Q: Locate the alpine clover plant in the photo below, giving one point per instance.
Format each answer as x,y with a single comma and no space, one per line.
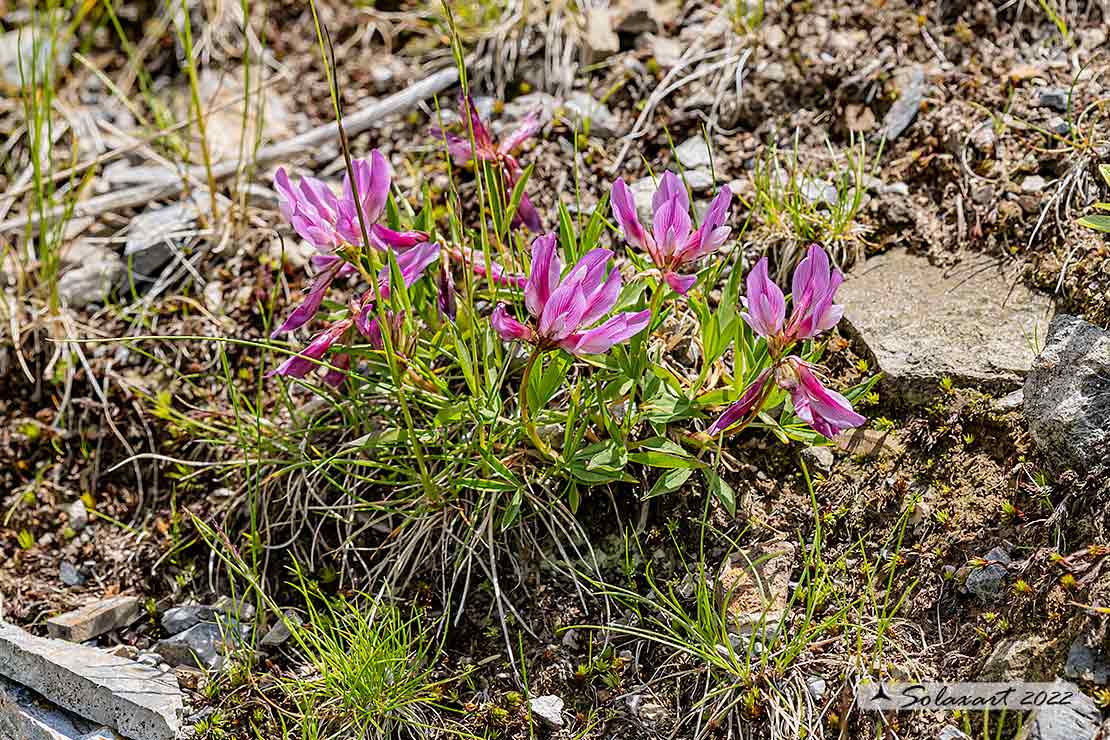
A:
575,314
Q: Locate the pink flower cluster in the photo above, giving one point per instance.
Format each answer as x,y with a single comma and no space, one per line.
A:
813,289
567,309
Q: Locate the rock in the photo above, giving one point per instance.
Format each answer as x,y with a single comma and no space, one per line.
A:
651,712
69,574
204,645
1032,657
520,107
93,280
642,192
989,581
279,633
815,190
1032,184
922,323
1055,98
94,619
950,732
1086,664
816,687
600,40
699,181
24,715
78,515
137,701
1078,721
905,108
223,100
753,586
693,153
585,111
570,639
1058,126
820,459
28,52
237,607
154,234
549,709
1012,401
181,618
1067,395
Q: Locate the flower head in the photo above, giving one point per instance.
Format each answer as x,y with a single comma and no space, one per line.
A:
564,307
485,149
672,243
328,222
813,289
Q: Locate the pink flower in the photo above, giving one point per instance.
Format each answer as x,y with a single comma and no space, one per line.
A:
486,150
743,407
497,274
412,265
813,289
328,222
565,306
672,242
828,412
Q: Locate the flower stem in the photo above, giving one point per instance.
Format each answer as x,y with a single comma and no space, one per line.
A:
525,416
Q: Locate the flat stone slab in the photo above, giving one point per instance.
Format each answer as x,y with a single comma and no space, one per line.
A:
94,619
971,323
24,715
138,701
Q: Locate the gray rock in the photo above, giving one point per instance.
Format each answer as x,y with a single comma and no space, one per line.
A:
699,180
153,235
989,581
1031,657
651,712
1058,126
582,106
1067,395
950,732
93,280
922,323
815,190
570,639
693,153
820,459
1055,98
94,619
549,709
237,607
69,574
753,586
1012,401
816,687
642,192
204,645
520,107
905,108
1079,721
27,52
24,715
1086,664
181,618
280,633
135,700
1033,184
78,515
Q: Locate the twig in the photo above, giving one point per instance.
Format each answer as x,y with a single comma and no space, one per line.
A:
355,124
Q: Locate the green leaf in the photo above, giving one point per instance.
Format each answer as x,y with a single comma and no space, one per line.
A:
515,197
721,490
566,234
512,511
595,225
1098,223
669,482
660,452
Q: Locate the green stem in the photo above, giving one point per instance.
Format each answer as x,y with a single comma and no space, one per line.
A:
525,417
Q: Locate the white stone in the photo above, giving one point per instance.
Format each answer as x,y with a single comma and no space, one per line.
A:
139,702
549,709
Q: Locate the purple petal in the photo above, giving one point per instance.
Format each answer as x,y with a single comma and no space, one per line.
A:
828,412
483,143
544,276
376,194
530,124
568,303
458,147
301,364
712,233
509,328
614,331
741,408
338,372
624,211
383,237
311,303
765,302
527,214
671,227
411,264
495,273
602,300
680,284
670,188
445,297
